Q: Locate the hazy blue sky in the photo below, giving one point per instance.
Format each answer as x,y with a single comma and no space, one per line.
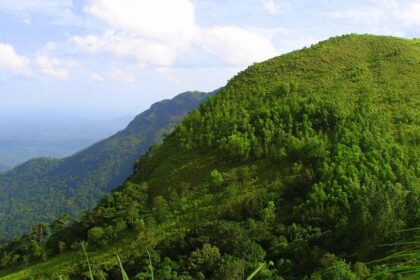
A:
116,57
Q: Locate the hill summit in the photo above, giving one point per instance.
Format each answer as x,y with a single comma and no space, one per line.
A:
307,162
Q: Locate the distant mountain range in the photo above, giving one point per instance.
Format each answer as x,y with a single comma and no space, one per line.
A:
44,188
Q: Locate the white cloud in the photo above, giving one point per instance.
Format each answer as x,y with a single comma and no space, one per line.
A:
25,6
161,20
382,11
51,67
114,74
154,32
58,11
121,76
157,33
275,8
97,77
238,47
411,13
122,44
10,60
369,14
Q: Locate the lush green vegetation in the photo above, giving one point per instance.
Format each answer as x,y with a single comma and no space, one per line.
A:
42,189
405,258
307,162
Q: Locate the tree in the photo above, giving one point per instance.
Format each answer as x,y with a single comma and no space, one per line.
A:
160,208
60,223
238,146
216,179
96,236
205,260
39,233
339,270
269,213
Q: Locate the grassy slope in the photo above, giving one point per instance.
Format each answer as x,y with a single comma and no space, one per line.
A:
337,69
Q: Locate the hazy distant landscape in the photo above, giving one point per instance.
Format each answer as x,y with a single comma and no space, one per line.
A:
47,188
25,138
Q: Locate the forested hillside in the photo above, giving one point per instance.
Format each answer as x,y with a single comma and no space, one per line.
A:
3,168
40,190
307,162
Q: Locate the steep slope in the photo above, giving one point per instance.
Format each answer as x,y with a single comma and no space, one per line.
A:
42,189
308,160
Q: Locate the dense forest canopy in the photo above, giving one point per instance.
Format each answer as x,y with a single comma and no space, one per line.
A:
307,162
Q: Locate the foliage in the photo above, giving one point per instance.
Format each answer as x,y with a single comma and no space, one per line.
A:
41,190
308,160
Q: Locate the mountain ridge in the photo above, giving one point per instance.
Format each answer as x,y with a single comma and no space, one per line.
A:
307,162
65,185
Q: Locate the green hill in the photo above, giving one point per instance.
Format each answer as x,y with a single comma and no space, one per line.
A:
40,190
307,162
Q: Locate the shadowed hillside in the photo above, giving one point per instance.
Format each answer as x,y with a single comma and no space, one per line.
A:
42,189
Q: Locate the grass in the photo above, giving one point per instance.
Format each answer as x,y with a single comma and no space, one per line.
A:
87,259
123,273
125,276
255,272
406,260
150,266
